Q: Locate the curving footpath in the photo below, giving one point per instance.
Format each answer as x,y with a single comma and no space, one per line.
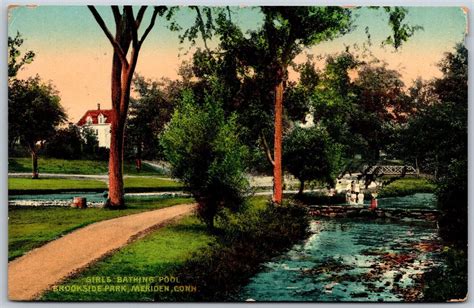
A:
37,271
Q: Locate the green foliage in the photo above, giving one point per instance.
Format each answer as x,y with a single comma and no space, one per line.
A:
31,227
448,282
204,151
310,154
14,62
407,186
436,136
34,111
401,31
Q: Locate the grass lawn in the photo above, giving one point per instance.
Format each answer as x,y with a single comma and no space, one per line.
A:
160,253
47,185
407,186
53,165
148,184
32,227
54,184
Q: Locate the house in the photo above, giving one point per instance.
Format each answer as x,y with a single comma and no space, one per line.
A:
99,121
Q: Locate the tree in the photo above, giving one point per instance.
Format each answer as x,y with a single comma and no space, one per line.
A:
380,101
148,114
34,112
126,39
440,130
15,63
202,145
310,154
285,32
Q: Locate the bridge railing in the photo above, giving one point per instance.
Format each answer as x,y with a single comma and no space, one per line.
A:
389,170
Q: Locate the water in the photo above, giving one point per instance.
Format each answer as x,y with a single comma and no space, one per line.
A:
353,260
415,201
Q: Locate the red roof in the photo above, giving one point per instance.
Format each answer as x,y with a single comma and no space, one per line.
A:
94,114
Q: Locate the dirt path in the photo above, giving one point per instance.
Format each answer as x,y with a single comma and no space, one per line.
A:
34,273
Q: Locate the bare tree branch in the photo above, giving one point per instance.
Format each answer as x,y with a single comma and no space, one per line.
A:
267,149
132,24
117,15
115,44
140,15
150,26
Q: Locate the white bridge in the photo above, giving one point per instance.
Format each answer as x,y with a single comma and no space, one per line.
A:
389,170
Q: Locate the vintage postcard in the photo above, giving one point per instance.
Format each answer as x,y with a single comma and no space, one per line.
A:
237,153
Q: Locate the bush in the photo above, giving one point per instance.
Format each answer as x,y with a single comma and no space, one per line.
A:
248,239
203,149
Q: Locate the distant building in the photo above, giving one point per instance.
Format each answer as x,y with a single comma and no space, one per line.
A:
99,121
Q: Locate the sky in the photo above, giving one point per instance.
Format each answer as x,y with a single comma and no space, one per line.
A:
73,53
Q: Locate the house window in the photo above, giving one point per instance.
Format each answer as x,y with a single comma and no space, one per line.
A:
89,120
101,119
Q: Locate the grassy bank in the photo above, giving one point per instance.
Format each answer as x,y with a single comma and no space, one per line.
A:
215,264
51,185
53,165
29,227
407,186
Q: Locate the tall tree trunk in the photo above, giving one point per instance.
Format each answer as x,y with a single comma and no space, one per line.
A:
116,189
34,164
277,168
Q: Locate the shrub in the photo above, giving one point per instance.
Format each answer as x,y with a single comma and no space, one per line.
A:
202,146
310,154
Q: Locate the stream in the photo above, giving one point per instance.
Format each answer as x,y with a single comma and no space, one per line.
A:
354,260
